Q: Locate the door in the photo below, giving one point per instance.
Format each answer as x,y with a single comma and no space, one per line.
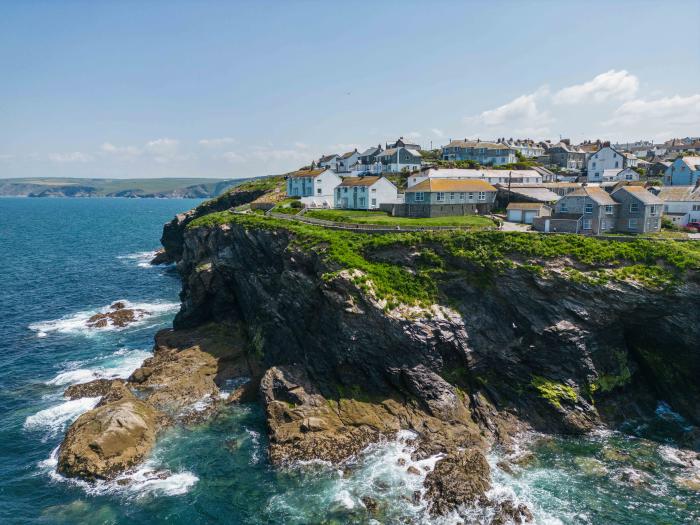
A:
546,226
529,217
515,215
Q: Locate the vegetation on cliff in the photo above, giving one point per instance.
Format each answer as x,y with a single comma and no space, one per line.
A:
432,257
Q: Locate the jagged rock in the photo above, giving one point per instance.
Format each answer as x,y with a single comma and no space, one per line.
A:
461,478
370,504
117,315
413,470
507,512
108,439
98,387
161,257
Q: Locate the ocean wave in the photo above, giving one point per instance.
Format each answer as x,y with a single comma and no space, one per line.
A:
119,365
147,480
142,259
54,419
77,323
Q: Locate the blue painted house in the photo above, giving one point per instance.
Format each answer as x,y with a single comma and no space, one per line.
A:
683,172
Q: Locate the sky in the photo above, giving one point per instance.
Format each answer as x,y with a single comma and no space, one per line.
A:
238,89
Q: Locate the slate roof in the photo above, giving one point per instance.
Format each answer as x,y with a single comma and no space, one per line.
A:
348,154
599,195
679,193
693,163
389,152
641,194
326,158
359,181
477,144
539,194
525,206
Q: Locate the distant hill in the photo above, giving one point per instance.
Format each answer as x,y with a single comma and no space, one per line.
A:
166,188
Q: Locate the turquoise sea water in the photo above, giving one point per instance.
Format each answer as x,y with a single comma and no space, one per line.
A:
62,260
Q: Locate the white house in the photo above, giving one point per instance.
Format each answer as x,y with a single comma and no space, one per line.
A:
503,177
683,172
607,158
681,203
347,161
328,161
613,175
365,193
315,187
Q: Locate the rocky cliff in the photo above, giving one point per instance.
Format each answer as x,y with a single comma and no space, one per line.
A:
463,338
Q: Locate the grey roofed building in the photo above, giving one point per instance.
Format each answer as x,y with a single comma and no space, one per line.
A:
401,143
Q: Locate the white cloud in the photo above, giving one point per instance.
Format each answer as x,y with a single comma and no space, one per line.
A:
124,152
213,143
74,156
520,116
609,85
6,156
233,157
669,111
414,135
301,145
437,132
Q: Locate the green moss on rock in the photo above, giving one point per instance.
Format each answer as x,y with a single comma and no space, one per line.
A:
553,392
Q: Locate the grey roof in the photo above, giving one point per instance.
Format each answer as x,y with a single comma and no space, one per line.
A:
640,193
599,195
389,152
678,193
370,151
538,194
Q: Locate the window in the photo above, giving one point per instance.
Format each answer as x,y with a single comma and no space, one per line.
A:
452,195
374,190
440,196
482,196
374,202
418,196
461,196
629,176
587,224
362,202
588,208
471,196
634,207
652,210
563,207
345,190
632,224
608,209
594,164
617,164
318,191
696,207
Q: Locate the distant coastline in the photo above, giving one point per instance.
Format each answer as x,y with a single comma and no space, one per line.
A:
159,188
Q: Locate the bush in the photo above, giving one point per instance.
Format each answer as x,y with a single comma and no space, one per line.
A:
296,204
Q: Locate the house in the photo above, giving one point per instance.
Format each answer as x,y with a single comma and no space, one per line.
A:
612,175
566,156
401,143
683,172
639,211
328,161
607,158
657,168
316,186
528,148
562,188
681,203
346,161
490,176
486,153
443,197
396,160
526,212
364,193
591,210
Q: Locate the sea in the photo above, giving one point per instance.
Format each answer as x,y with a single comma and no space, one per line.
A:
63,260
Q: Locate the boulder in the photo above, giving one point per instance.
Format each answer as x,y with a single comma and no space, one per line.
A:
117,315
460,478
109,439
98,387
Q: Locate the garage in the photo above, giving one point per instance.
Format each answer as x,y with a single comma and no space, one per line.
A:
525,212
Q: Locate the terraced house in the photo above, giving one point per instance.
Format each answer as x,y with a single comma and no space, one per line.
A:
442,197
312,183
486,153
396,160
591,210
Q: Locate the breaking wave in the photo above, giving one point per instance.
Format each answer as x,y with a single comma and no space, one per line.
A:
119,365
55,419
77,323
142,259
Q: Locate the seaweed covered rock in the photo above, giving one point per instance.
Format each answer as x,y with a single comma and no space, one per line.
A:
461,478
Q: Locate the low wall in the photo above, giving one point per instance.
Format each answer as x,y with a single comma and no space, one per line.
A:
435,210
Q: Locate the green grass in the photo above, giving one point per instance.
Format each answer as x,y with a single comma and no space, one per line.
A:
285,206
383,218
444,255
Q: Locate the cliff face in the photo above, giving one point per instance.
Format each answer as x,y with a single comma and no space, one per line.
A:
558,354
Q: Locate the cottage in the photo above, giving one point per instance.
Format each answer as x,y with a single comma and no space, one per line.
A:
396,160
443,197
526,212
607,158
364,193
595,210
367,160
314,185
683,172
528,148
613,175
681,203
657,168
486,153
346,161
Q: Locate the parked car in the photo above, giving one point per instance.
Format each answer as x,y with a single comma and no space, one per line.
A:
694,226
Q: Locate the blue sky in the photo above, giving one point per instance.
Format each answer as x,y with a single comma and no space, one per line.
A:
234,89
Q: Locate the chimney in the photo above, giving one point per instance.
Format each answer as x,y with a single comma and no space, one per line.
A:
606,144
566,141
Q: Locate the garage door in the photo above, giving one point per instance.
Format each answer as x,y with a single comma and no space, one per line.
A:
530,216
515,215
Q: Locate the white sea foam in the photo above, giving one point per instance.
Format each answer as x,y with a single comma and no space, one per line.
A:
141,259
148,479
119,365
76,323
54,419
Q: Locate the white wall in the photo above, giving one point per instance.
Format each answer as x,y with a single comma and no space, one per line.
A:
325,183
604,159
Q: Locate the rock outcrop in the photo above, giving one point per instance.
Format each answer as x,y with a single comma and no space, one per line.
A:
117,315
460,479
180,383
